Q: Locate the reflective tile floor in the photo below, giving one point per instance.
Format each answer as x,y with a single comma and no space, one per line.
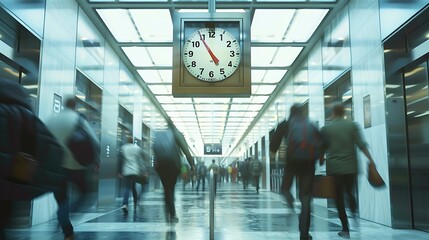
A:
239,215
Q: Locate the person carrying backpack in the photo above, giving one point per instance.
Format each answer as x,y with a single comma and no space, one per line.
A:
80,173
255,169
303,142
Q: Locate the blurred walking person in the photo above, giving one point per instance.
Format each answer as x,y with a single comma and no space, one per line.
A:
245,173
29,153
201,175
132,166
303,146
255,167
64,125
214,168
168,146
340,138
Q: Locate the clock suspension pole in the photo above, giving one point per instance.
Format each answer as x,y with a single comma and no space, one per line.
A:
212,6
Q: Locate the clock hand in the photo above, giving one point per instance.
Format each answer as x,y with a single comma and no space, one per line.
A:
215,59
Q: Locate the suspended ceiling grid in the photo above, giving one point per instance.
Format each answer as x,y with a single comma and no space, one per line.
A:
141,33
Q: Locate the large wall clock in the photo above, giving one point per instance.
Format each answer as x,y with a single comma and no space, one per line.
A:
211,55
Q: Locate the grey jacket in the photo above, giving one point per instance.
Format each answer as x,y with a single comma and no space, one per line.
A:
340,139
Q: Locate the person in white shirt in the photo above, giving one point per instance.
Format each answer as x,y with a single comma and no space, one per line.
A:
132,164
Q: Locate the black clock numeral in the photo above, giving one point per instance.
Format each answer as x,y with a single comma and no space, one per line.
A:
191,53
201,71
212,34
222,71
211,74
221,37
193,63
228,43
231,53
196,44
230,64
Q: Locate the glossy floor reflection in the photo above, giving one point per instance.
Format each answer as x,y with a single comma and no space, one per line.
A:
239,214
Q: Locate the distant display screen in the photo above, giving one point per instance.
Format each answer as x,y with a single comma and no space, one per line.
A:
213,149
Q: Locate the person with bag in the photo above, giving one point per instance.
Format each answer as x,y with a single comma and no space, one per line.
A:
78,172
201,175
255,170
167,148
28,153
245,173
303,143
340,138
133,168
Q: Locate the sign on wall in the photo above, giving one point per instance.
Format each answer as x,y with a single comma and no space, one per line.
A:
213,149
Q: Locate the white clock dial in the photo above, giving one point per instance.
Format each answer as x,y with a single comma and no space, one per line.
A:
211,54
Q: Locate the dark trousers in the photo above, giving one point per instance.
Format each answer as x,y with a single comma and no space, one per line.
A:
168,175
304,171
203,180
345,185
256,182
245,180
80,179
130,184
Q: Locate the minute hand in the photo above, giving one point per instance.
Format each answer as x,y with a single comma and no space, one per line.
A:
215,59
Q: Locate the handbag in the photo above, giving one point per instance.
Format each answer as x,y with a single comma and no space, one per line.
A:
22,181
24,168
24,165
374,177
324,186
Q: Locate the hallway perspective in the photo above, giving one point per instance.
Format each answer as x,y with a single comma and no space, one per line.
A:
239,214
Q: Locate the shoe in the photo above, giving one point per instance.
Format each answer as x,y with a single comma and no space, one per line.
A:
125,209
344,234
305,237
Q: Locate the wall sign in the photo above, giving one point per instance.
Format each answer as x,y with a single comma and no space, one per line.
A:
57,103
367,111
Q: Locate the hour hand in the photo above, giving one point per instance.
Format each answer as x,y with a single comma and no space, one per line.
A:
215,59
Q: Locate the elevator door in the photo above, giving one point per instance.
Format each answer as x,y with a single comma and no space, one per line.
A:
417,112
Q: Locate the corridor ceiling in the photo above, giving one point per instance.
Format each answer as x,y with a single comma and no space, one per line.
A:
141,32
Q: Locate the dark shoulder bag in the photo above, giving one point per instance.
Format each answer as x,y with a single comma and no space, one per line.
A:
81,145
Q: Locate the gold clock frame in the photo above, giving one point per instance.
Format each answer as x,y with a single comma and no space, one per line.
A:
186,85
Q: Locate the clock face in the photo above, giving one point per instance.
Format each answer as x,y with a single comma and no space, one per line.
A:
211,54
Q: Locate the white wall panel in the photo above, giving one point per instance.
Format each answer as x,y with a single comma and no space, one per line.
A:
368,79
89,49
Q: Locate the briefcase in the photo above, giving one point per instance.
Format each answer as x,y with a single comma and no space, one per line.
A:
324,186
